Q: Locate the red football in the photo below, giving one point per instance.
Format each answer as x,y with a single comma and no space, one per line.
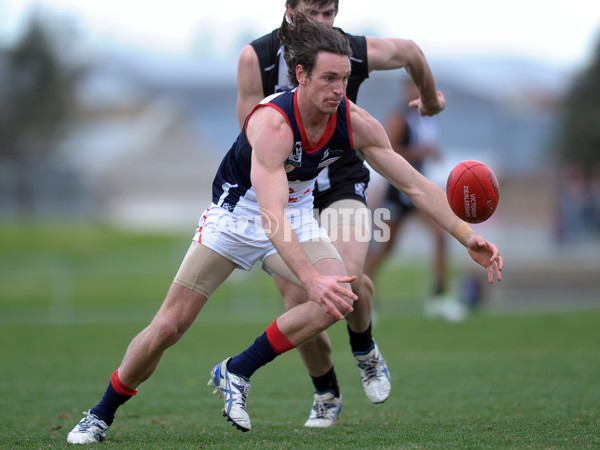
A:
472,191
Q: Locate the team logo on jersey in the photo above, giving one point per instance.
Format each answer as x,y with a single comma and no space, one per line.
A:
295,158
329,157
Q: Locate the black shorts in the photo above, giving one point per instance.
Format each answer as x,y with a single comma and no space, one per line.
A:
345,179
398,202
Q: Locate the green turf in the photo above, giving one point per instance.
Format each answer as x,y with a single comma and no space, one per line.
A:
71,300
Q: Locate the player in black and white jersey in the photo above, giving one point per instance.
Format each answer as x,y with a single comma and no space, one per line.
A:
339,195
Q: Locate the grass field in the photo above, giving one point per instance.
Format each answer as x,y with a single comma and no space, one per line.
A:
71,298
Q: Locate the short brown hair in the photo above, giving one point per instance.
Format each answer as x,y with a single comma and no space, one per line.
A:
303,38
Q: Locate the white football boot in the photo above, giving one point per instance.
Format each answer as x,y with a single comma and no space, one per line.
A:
233,390
374,375
89,430
326,408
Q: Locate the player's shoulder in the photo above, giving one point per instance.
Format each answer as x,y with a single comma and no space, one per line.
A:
350,36
269,40
280,102
358,44
266,48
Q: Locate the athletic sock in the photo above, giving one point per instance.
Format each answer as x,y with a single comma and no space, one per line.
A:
265,349
361,342
438,288
327,382
116,394
253,358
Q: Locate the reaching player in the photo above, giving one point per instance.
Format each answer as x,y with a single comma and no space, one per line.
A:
339,197
291,122
267,178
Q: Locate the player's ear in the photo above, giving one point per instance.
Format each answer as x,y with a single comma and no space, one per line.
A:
301,74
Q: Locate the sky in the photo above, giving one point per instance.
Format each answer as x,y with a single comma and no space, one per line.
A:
560,32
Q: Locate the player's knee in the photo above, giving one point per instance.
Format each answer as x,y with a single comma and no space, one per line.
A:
356,272
367,287
167,332
349,301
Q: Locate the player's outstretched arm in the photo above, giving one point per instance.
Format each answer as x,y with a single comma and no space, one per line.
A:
369,137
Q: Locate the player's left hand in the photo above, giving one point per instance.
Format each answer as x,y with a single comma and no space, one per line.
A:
329,292
429,109
486,254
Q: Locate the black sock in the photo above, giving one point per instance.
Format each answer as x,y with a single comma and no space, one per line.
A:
438,288
361,342
106,409
327,382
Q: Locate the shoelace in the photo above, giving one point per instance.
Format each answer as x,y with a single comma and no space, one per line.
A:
89,421
369,368
243,390
322,407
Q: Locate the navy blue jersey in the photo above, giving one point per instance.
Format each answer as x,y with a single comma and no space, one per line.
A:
348,177
232,182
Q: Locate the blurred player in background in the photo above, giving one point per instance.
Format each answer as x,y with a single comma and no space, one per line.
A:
341,186
415,138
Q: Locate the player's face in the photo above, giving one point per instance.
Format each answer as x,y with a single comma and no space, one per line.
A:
324,14
327,84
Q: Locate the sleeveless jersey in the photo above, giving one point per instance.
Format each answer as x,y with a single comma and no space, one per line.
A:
232,187
347,177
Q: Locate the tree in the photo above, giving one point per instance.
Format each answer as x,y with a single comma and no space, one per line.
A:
35,104
579,141
578,148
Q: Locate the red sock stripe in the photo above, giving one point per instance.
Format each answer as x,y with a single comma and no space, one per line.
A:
277,339
119,387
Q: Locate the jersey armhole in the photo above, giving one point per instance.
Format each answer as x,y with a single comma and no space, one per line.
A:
260,105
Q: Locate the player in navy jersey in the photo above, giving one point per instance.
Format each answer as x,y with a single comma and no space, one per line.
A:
259,213
340,197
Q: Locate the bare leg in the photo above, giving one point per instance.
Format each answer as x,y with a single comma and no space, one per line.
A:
175,316
379,251
439,259
353,252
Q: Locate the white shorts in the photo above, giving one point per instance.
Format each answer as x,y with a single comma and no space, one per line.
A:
240,237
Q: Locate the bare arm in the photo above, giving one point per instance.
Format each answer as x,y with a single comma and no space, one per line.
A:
392,53
272,141
250,89
370,137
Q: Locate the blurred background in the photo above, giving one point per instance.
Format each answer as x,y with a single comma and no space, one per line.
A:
118,114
